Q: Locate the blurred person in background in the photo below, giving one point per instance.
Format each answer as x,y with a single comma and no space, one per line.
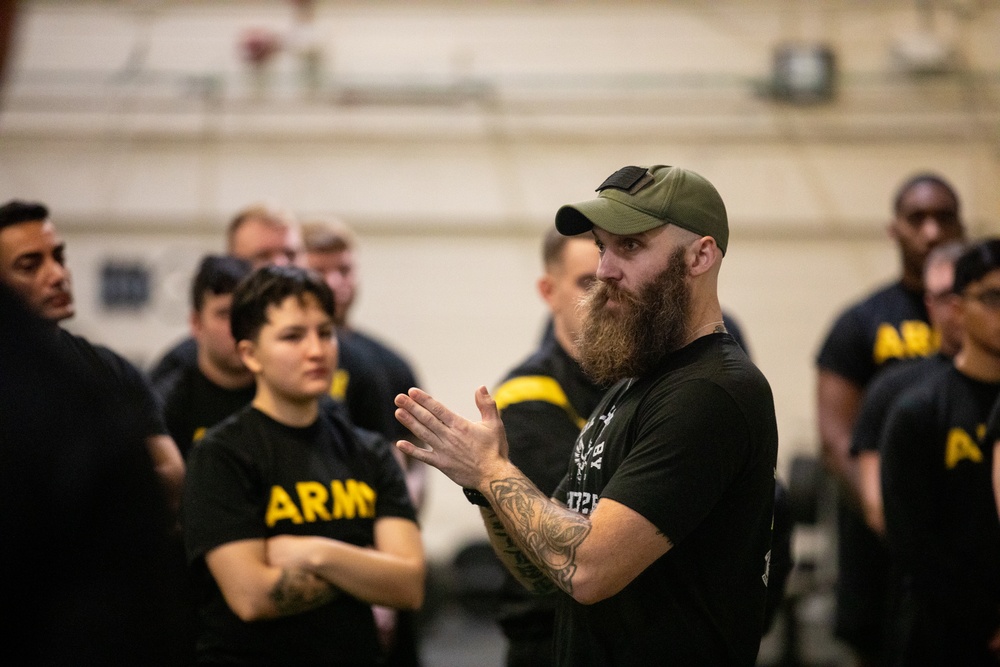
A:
940,517
889,325
262,234
218,384
544,402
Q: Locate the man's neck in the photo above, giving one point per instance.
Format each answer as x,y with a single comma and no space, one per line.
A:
566,341
978,364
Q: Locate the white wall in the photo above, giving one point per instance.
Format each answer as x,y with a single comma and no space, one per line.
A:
450,197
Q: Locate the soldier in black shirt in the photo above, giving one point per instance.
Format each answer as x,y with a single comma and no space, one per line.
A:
885,327
659,535
218,385
941,521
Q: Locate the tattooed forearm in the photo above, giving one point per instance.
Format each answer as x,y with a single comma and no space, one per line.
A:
549,535
298,591
514,559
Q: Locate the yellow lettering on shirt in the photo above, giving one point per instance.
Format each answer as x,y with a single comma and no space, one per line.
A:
313,497
199,433
281,507
961,447
338,387
917,338
352,498
347,499
913,339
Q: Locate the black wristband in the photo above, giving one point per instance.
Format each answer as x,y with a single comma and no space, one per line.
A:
475,497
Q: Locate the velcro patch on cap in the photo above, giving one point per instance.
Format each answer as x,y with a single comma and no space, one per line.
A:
629,179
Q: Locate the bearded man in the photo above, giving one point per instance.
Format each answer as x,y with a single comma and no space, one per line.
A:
659,535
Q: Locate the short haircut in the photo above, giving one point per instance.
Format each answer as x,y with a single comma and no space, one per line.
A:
16,211
270,286
268,213
329,235
554,243
981,258
917,179
216,275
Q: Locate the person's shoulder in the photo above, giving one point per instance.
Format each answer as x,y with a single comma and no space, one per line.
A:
906,373
235,429
99,354
181,355
921,394
539,362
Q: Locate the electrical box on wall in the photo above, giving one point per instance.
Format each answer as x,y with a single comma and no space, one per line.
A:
803,73
125,285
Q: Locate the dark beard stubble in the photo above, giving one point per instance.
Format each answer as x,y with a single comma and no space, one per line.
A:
631,339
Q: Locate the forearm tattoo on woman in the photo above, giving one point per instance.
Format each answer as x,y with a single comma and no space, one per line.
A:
297,591
548,534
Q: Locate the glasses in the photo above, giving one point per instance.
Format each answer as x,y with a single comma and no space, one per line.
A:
989,298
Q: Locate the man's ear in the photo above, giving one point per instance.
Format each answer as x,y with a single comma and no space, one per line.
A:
545,288
703,255
194,322
892,231
247,351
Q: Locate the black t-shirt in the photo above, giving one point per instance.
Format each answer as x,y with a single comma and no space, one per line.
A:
194,404
882,393
116,372
165,372
369,375
941,518
251,477
90,577
543,402
692,448
889,325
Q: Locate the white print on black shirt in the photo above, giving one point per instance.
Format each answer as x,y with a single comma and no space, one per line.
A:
581,501
593,456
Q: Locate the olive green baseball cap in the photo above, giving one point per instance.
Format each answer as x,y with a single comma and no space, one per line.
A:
636,199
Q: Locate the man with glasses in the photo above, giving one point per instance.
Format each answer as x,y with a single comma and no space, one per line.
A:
941,521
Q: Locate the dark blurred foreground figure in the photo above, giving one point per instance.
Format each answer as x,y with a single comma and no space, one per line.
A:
90,569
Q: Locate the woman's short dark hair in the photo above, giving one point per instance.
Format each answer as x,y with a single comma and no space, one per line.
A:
270,286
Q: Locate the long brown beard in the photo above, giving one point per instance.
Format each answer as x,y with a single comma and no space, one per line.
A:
634,337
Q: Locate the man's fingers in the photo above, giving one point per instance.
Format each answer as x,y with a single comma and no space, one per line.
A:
434,407
414,418
487,406
419,453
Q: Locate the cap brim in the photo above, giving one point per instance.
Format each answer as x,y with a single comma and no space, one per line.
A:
608,214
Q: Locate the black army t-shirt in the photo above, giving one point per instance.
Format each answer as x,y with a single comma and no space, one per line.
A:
692,448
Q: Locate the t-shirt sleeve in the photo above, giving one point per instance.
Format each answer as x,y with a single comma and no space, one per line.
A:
684,459
846,351
223,498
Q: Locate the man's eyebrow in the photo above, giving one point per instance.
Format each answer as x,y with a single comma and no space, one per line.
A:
35,254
